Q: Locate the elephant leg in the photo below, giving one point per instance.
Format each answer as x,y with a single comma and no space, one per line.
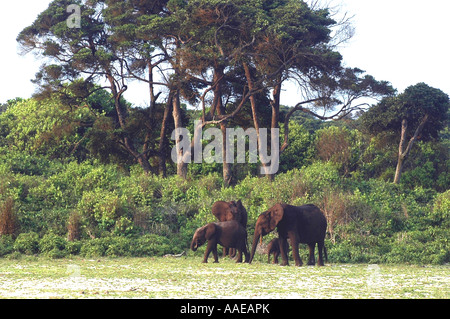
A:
205,257
207,252
294,244
320,246
268,257
216,257
211,247
283,242
224,251
312,259
246,255
275,257
239,257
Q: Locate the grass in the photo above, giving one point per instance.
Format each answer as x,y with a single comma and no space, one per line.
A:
38,277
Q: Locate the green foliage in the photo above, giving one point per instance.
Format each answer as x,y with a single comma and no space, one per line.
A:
6,245
441,210
428,166
152,245
68,158
135,214
27,243
411,105
300,151
43,127
53,246
100,210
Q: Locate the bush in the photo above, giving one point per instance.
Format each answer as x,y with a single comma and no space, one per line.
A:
53,246
151,245
118,247
300,151
27,243
441,210
73,247
93,247
320,176
6,245
100,210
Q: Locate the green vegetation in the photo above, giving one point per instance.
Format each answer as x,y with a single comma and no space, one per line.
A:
85,173
62,208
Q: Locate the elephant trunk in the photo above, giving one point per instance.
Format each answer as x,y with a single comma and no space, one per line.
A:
257,236
194,245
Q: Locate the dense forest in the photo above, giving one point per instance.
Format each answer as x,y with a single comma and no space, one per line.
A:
85,172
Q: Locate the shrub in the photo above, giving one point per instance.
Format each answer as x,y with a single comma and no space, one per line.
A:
118,247
73,247
151,245
100,209
333,205
27,243
300,151
6,245
320,176
93,247
441,209
53,246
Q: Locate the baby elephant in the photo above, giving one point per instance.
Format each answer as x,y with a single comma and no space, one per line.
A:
229,234
274,248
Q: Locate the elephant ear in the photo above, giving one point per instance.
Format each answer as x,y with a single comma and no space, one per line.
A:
222,211
276,215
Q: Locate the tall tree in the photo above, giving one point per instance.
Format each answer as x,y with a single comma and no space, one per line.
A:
228,56
417,114
295,42
81,58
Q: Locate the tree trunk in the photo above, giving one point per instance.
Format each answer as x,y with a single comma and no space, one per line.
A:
275,104
404,149
177,118
262,157
141,158
162,138
217,104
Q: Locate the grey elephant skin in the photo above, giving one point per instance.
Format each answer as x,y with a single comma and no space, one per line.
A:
301,224
229,234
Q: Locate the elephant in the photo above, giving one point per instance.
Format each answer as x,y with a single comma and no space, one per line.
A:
274,248
225,211
301,224
228,234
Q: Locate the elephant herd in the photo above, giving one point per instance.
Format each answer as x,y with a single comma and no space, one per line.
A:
300,224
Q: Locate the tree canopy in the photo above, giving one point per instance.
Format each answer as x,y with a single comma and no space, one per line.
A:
228,57
417,114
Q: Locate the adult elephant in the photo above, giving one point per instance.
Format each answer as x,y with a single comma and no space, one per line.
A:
227,211
301,224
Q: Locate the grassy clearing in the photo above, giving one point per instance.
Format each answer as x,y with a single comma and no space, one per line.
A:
188,278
